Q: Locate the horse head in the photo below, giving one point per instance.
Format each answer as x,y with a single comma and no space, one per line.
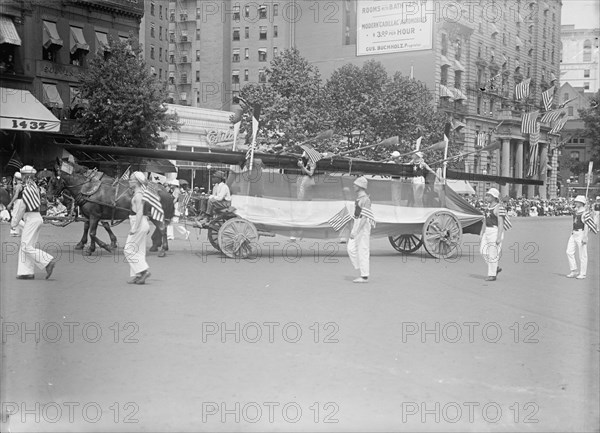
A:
55,187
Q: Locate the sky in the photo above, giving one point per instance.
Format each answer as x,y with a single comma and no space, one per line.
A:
585,14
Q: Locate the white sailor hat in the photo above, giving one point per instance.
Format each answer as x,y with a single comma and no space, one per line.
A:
579,199
28,169
494,192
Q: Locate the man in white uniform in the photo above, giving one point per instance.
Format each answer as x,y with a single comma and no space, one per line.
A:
359,243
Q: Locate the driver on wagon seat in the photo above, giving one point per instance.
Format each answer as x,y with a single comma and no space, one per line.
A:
221,196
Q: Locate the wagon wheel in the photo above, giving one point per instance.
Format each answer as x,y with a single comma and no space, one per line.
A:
213,232
442,234
237,238
406,244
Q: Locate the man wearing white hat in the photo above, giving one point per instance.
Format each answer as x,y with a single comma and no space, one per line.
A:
491,241
358,245
135,246
29,255
578,240
16,203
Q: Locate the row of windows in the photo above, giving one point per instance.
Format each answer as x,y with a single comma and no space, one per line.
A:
153,8
235,76
249,12
262,54
262,33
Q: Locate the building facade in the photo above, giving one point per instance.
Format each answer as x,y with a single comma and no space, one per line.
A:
154,37
45,46
580,61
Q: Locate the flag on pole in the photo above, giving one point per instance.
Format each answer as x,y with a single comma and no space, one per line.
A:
481,139
15,161
495,128
534,161
548,97
564,104
255,124
236,119
340,219
552,116
529,121
446,141
150,196
418,145
313,155
522,89
126,173
589,220
558,125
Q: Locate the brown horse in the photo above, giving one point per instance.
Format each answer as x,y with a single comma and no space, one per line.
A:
108,202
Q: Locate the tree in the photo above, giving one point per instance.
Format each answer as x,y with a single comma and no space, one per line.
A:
125,101
291,106
591,119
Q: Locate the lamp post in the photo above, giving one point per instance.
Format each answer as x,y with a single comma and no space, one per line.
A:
208,167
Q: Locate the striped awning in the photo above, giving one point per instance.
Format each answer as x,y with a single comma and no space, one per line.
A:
51,96
459,95
20,110
445,92
78,40
102,41
51,36
445,61
458,66
8,32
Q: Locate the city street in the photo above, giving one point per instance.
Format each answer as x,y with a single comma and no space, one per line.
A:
286,341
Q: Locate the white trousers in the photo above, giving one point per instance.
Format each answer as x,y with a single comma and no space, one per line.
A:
29,255
490,251
16,213
576,240
358,249
135,247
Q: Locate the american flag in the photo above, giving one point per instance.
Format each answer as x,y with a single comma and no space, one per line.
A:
184,200
558,125
126,173
482,138
522,89
528,122
150,196
31,196
368,213
534,161
507,225
548,97
588,219
552,116
313,155
340,219
564,104
255,124
15,161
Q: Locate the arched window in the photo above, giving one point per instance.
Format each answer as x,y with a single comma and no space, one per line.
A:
587,51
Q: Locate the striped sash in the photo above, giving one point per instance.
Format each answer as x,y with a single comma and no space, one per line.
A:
31,197
151,197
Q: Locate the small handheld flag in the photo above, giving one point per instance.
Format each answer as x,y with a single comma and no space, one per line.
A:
589,221
313,155
150,196
340,219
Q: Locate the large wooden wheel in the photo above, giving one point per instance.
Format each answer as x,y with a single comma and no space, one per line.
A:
237,238
213,232
442,234
406,244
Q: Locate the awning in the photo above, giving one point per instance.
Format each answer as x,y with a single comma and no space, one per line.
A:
78,40
8,32
102,41
262,50
458,94
460,186
458,66
445,92
21,111
445,61
494,28
51,35
51,96
124,39
518,42
160,166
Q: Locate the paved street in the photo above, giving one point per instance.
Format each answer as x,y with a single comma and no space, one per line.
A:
286,342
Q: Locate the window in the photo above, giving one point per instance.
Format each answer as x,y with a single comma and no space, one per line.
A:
575,155
263,32
160,74
458,79
172,36
479,104
235,77
152,35
247,11
183,78
274,51
444,75
198,13
160,54
458,50
197,34
444,44
247,32
586,73
236,13
152,51
262,12
171,58
275,31
197,55
586,85
570,111
236,55
152,8
247,54
246,74
160,11
183,16
262,54
275,10
183,36
262,76
79,46
587,51
184,57
160,33
197,76
152,70
51,42
172,15
236,34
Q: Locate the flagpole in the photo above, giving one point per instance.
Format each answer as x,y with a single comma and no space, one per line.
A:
446,139
587,188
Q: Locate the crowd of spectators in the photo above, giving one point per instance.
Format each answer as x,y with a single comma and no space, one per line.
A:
529,207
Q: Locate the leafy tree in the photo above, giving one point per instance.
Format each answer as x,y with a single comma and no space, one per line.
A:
591,119
291,106
126,103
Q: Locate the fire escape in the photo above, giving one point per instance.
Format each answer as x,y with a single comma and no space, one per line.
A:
180,42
